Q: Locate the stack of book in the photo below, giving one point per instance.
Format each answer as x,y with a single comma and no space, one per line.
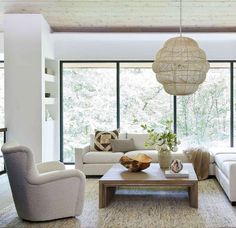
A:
182,174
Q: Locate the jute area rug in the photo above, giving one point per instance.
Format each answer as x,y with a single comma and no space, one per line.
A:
143,208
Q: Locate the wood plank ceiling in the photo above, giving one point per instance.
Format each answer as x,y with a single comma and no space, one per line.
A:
128,15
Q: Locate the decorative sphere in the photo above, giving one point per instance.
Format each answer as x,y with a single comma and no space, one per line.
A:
176,166
181,66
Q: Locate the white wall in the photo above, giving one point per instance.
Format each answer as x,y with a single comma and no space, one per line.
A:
135,46
1,46
26,45
50,130
123,46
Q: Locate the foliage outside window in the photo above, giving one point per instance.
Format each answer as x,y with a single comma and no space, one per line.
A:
142,98
90,102
204,117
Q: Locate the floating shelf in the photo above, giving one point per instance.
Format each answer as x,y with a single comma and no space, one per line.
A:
49,100
49,78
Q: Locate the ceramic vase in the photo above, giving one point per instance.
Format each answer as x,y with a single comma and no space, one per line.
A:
164,159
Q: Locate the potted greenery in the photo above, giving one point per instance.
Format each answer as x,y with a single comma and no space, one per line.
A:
165,142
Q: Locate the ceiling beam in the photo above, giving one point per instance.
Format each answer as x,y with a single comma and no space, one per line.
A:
163,29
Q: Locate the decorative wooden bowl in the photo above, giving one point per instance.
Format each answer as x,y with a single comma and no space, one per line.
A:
137,163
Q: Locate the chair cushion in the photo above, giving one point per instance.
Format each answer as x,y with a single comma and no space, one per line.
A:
139,140
223,161
102,157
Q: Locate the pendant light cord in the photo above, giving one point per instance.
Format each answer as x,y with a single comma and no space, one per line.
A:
180,18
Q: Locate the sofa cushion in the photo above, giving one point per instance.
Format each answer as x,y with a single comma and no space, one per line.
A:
139,140
121,136
122,145
102,140
95,157
223,161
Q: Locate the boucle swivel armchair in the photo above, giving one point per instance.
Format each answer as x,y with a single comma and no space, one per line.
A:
42,191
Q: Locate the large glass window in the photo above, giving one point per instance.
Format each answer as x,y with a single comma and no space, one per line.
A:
107,95
204,117
142,98
89,102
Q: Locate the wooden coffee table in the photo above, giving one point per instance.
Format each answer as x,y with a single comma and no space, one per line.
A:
152,176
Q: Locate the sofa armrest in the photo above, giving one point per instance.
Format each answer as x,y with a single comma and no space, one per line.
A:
232,173
50,166
79,154
232,182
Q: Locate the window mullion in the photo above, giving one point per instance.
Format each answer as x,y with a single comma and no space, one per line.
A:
118,94
175,114
231,104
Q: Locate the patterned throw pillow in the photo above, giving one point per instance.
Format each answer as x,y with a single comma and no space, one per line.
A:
102,139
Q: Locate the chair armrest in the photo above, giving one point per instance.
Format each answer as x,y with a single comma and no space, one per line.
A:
45,178
79,154
50,166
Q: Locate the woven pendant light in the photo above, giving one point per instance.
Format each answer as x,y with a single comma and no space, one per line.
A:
181,66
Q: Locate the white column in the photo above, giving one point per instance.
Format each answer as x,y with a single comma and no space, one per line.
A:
24,66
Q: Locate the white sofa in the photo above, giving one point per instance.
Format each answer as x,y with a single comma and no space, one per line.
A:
225,171
222,161
93,162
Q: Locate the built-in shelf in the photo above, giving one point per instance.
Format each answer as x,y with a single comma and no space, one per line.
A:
49,78
49,100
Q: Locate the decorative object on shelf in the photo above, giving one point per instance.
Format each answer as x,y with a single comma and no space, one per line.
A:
47,95
137,163
48,115
165,142
176,166
49,71
181,66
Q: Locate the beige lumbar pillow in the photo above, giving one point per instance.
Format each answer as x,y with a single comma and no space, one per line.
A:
122,145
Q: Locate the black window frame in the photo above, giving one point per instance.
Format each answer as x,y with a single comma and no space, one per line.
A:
4,137
117,62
